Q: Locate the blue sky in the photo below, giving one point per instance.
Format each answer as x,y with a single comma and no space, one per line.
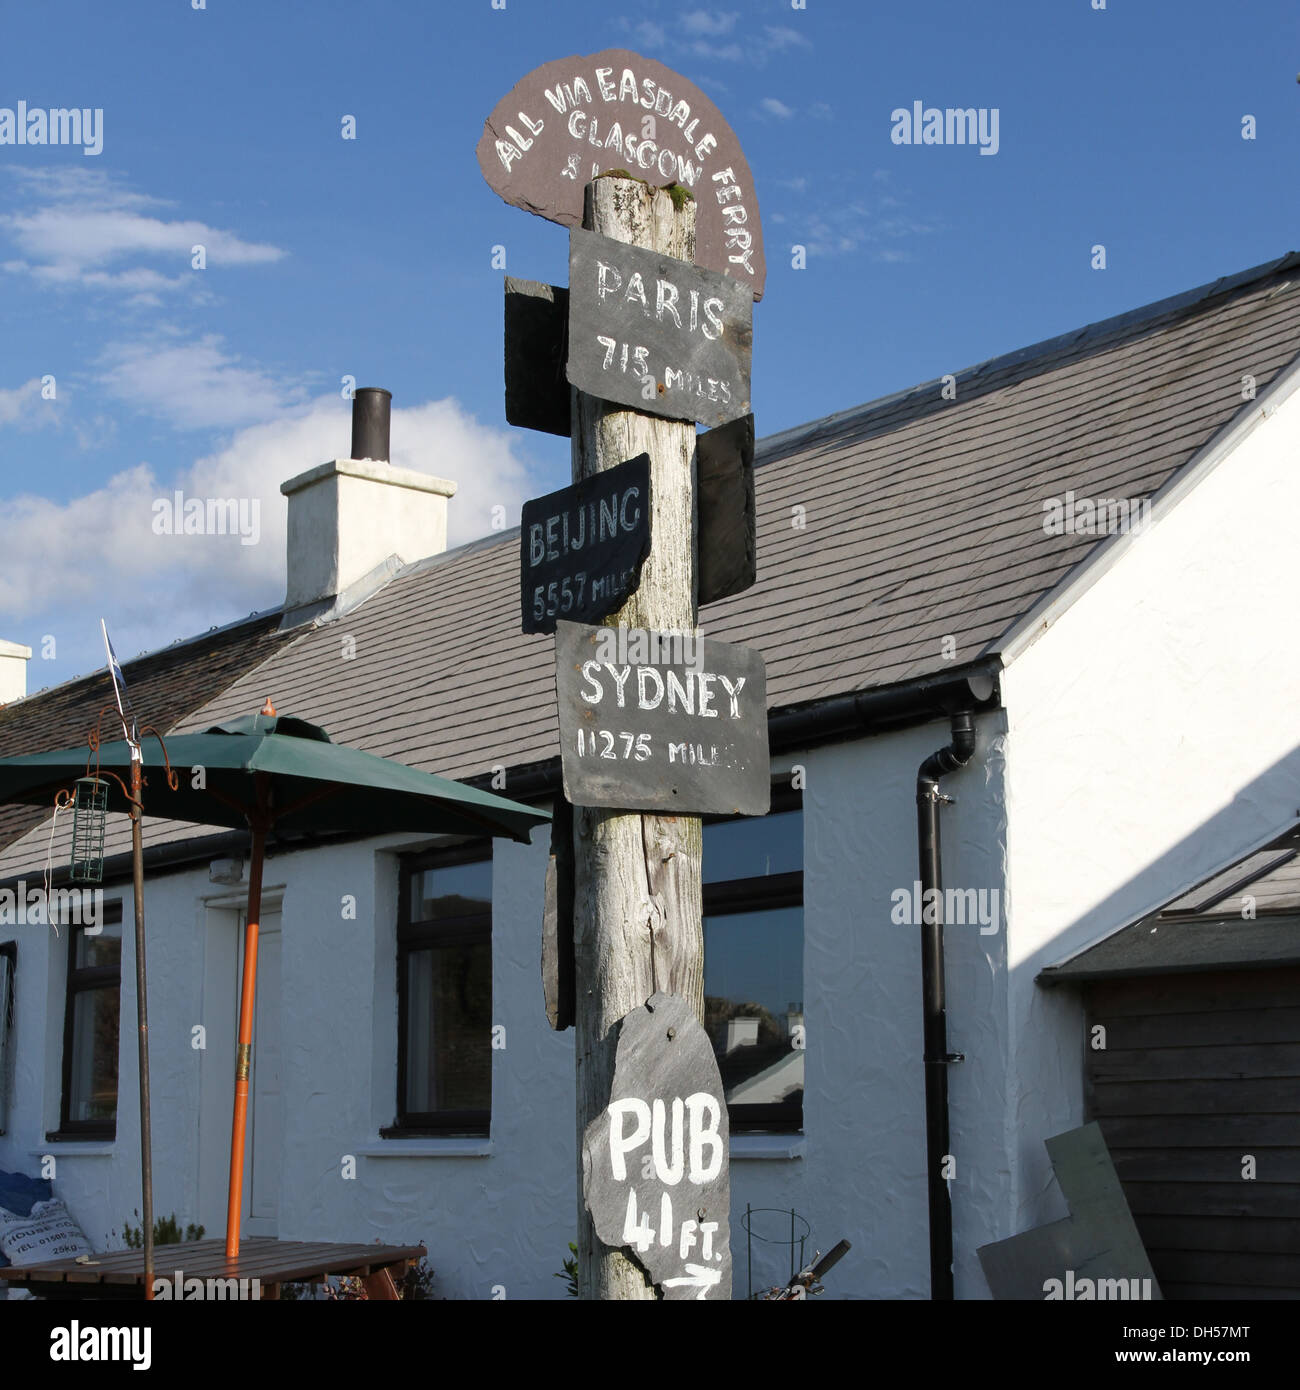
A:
372,257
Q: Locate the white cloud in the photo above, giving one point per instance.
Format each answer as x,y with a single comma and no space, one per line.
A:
23,406
778,38
703,22
81,225
829,221
715,37
194,384
648,34
776,108
69,562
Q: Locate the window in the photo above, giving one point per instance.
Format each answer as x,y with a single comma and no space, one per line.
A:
8,959
444,993
90,1029
753,963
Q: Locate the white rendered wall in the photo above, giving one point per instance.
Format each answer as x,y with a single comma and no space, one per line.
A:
101,1182
862,1175
1152,737
497,1217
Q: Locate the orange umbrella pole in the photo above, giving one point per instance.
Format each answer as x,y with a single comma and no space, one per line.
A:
244,1052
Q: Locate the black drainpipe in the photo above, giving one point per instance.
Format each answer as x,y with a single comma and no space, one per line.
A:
937,1057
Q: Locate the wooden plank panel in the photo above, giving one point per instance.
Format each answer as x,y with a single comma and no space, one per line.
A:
1199,1029
1210,993
1271,1095
1244,1133
1242,1234
1222,1292
1205,1165
1265,1201
1248,1270
1179,1063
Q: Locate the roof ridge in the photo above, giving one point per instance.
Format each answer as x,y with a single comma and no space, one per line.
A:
47,690
776,445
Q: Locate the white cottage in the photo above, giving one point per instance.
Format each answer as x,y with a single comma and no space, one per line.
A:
1085,558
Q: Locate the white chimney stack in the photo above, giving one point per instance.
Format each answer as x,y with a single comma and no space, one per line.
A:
13,671
350,516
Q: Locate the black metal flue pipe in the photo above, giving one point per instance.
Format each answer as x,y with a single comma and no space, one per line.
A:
371,407
937,1057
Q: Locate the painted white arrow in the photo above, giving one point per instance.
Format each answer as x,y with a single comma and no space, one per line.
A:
696,1277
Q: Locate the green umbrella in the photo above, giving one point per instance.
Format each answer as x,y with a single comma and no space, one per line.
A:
266,771
279,767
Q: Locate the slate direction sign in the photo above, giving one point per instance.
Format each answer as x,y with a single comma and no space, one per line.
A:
657,334
656,721
578,117
537,325
724,491
655,1161
581,549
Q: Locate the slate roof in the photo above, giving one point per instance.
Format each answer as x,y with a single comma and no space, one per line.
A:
163,686
923,520
1204,928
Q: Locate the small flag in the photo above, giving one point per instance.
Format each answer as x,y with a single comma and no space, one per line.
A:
119,689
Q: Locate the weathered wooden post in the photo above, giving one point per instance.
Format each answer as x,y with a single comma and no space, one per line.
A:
657,726
636,919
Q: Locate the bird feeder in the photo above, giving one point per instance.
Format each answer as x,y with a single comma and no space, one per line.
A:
89,814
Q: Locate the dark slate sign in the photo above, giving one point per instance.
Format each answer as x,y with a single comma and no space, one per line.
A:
578,117
657,334
655,1162
724,473
581,549
660,721
537,325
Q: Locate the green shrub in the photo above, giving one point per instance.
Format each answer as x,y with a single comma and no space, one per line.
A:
569,1273
166,1231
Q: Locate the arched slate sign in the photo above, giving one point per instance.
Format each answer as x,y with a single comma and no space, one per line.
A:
577,117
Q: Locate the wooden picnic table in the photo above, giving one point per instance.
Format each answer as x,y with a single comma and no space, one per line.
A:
120,1273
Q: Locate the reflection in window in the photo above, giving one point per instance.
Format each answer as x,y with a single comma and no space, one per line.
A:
753,966
91,1026
8,959
448,1022
444,963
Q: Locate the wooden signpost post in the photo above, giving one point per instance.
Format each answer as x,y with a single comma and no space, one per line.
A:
656,344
